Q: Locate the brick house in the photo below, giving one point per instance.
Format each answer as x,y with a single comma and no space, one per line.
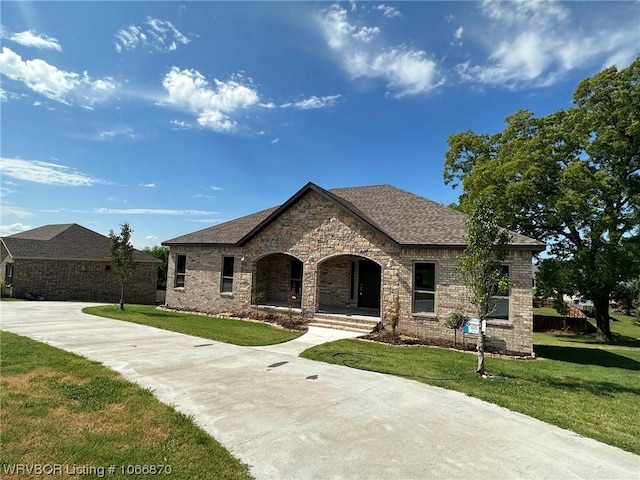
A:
70,262
344,255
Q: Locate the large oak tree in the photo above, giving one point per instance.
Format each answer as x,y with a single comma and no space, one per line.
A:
571,178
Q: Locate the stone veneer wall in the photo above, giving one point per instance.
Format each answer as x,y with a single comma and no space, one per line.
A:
321,235
82,280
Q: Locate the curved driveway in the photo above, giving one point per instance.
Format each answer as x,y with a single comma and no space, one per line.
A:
292,418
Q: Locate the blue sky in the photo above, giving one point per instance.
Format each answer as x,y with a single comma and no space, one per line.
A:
175,116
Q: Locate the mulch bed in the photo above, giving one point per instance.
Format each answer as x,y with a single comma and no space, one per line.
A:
385,336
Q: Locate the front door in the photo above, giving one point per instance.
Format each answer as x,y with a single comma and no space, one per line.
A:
369,274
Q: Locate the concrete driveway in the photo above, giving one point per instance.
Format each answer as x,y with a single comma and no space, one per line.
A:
291,418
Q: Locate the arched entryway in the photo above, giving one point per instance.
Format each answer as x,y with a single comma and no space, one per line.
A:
349,284
279,280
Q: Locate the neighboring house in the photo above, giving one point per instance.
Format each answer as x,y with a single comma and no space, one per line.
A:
70,262
349,252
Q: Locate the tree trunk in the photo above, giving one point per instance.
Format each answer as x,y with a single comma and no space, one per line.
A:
122,296
480,348
601,312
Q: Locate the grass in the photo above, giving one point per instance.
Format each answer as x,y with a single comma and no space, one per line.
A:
57,408
576,383
546,311
238,332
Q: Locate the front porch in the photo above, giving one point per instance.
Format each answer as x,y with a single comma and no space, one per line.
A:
341,292
361,320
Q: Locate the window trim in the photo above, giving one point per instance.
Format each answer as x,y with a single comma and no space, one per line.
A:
180,274
293,282
415,290
506,297
224,277
9,273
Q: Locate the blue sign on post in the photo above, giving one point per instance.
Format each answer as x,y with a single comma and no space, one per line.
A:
472,326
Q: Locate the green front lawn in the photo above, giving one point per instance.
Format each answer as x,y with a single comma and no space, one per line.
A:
58,408
590,388
238,332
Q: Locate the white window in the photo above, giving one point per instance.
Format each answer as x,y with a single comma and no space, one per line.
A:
424,287
499,304
181,270
226,285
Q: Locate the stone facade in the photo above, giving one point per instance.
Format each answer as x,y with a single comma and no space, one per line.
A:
330,243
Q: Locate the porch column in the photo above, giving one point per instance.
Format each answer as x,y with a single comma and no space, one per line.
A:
245,281
309,289
391,288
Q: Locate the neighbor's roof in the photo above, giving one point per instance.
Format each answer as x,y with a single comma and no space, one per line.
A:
403,217
68,241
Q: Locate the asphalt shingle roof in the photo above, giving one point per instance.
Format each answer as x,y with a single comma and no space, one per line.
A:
404,217
68,241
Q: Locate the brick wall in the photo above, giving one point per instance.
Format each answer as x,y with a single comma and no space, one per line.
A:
83,281
326,239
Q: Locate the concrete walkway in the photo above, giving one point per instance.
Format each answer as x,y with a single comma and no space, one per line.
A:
291,418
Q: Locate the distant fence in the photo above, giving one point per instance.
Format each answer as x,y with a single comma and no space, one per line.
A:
161,297
543,323
576,320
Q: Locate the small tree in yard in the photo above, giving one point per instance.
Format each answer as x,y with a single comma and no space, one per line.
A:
455,322
121,255
481,267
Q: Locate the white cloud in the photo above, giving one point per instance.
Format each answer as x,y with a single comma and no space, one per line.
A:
458,33
116,132
150,237
535,43
522,12
44,172
16,212
275,140
216,188
11,229
158,34
180,125
406,71
29,38
59,85
151,211
387,10
313,102
189,90
148,185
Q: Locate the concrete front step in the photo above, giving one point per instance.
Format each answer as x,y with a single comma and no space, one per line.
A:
342,323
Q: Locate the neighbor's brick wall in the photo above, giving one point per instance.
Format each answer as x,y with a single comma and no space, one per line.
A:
4,259
82,280
322,236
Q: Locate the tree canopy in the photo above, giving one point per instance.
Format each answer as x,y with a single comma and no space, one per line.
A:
162,254
121,255
570,178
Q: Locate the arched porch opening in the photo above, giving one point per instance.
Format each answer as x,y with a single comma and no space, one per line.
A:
349,285
278,281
